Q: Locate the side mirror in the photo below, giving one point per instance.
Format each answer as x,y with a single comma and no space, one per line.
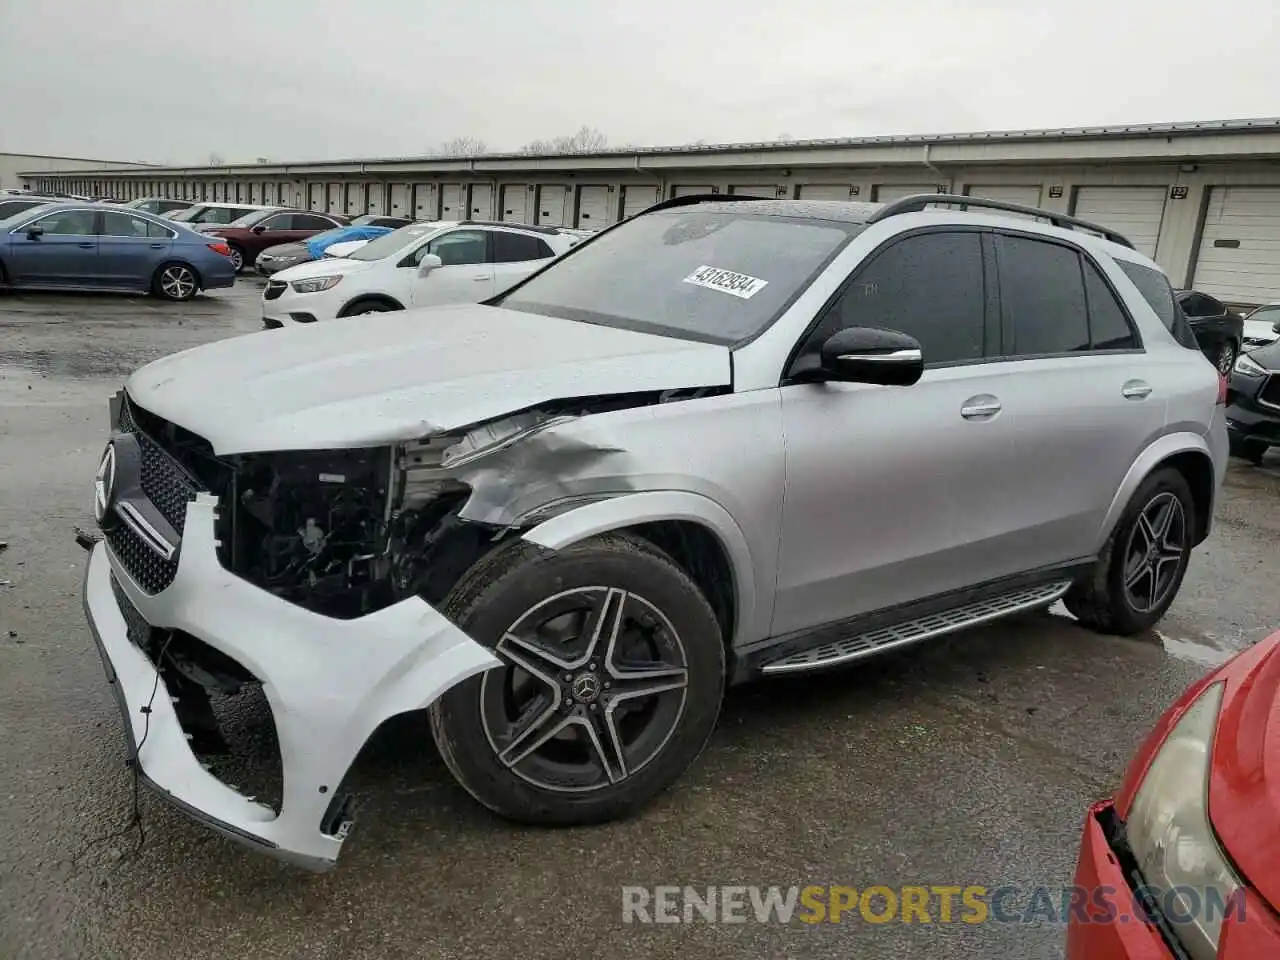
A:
872,355
35,232
258,229
428,263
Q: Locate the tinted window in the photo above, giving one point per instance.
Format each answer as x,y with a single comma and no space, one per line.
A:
719,276
1198,305
9,207
284,221
1041,298
307,221
929,286
1108,326
1155,289
123,225
460,248
515,247
75,223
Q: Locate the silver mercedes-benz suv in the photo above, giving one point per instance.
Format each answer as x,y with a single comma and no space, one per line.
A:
718,441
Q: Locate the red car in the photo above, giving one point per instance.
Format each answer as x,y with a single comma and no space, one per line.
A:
1185,861
254,232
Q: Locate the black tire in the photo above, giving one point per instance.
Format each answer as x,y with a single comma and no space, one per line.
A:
357,307
1224,357
507,589
175,281
1251,450
1101,601
239,259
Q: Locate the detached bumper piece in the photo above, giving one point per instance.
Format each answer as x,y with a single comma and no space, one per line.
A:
329,683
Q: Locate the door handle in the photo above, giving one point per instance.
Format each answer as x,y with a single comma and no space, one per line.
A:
481,279
1135,390
85,246
157,246
982,407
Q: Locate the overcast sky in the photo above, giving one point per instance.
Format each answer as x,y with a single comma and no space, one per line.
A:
176,80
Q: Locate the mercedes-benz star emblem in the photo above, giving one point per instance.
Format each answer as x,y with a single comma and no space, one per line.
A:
586,687
104,484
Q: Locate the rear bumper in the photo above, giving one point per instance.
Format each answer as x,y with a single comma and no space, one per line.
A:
329,683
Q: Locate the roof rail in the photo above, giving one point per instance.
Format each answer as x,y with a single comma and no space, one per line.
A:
919,202
529,227
692,198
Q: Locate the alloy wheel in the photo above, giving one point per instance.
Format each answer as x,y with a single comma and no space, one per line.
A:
1157,544
1226,359
593,686
237,260
178,282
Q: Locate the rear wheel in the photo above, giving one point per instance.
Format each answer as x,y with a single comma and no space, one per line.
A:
1140,569
176,281
237,257
611,680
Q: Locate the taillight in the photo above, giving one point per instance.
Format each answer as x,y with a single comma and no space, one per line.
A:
221,248
1222,390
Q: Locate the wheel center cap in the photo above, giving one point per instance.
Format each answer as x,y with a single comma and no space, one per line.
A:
586,687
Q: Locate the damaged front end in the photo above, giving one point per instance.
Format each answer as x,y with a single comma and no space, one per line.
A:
315,574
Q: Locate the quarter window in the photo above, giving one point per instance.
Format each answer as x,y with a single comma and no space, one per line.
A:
1155,289
929,286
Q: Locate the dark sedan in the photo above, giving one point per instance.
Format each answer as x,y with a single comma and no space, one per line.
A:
1253,403
254,232
77,246
285,255
1219,331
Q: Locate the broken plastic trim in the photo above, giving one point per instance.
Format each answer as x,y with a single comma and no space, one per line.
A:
497,435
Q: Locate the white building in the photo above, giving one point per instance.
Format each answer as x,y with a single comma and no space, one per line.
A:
1202,198
17,169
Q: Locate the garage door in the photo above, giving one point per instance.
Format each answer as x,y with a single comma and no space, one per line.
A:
315,196
1135,212
355,199
825,191
426,205
1026,196
1239,258
400,202
335,198
636,199
593,207
290,193
551,205
377,198
513,203
754,190
481,207
452,204
887,193
688,189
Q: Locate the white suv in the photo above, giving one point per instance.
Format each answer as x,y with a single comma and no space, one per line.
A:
419,265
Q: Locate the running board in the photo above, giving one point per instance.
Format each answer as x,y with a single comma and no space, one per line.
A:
911,631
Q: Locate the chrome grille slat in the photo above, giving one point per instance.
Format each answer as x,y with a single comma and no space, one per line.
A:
910,631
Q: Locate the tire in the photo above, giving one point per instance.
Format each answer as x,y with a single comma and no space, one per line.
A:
497,731
238,258
1225,357
176,281
368,306
1102,601
1251,450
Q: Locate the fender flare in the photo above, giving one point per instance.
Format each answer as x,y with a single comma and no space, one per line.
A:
1154,454
634,508
385,298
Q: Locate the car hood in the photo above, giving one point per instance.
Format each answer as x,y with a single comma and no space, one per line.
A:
326,267
379,378
1268,356
287,250
1244,780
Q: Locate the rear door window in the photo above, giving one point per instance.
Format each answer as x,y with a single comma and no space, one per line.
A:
1042,298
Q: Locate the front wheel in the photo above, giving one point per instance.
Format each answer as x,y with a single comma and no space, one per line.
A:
611,680
1140,569
176,281
1251,450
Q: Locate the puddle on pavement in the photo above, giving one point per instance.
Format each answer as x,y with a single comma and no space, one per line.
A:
1205,651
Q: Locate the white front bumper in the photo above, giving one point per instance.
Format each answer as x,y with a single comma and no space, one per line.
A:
329,683
323,305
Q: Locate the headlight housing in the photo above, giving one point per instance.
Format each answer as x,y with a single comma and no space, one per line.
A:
1249,368
1169,830
314,284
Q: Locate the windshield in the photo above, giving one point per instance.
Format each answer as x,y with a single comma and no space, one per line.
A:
1268,315
716,277
249,219
392,243
183,216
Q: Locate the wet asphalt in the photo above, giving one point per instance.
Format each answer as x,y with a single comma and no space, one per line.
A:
965,761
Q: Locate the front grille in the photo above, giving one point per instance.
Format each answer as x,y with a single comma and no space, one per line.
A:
136,626
164,482
1270,392
269,323
274,289
149,570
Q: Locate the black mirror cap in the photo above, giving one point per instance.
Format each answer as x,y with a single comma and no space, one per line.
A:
35,230
872,355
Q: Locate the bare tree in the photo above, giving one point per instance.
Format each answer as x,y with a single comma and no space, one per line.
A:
586,140
215,159
463,147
